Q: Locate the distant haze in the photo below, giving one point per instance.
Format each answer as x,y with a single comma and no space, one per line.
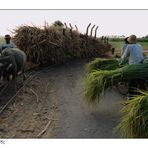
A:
110,22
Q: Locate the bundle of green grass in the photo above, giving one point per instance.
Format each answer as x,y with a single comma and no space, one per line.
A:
102,64
97,82
134,123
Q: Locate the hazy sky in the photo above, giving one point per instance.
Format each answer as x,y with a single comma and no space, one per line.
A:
110,22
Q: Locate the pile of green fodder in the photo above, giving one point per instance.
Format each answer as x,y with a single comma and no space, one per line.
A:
134,123
102,64
97,82
55,44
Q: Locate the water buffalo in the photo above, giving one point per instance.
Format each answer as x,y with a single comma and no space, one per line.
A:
12,63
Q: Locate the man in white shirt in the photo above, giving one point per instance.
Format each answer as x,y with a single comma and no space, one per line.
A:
133,54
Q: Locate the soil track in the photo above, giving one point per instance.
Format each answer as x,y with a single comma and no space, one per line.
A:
53,101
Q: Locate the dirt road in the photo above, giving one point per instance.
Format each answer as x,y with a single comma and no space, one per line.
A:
52,106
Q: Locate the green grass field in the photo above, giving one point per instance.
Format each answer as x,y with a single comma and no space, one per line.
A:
115,44
118,45
2,40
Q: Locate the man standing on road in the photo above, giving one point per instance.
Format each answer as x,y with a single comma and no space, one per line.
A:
7,44
133,54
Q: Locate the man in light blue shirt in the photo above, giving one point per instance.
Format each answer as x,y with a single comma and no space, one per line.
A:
133,54
8,44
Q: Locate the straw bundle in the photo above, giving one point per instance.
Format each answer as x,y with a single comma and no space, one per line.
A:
41,45
55,44
134,123
97,82
102,64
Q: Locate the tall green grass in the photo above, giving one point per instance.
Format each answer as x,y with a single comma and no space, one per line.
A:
102,64
1,40
134,123
97,82
119,44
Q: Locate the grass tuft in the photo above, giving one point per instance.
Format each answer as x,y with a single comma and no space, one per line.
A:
102,64
97,82
134,123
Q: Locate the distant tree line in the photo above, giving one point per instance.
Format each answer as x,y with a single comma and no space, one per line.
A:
145,36
142,39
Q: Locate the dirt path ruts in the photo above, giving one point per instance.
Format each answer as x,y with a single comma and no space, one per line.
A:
75,119
59,90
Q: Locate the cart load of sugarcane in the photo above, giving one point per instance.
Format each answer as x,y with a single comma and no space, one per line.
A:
97,82
57,42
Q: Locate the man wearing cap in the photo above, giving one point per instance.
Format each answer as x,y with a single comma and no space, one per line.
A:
8,44
133,54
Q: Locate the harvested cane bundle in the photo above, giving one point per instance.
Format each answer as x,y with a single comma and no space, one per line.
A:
102,64
97,82
134,122
41,45
53,44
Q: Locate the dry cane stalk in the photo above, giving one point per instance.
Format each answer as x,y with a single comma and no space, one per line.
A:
37,97
44,130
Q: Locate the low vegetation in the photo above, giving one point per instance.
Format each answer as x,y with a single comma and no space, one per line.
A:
102,64
118,44
97,82
134,123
